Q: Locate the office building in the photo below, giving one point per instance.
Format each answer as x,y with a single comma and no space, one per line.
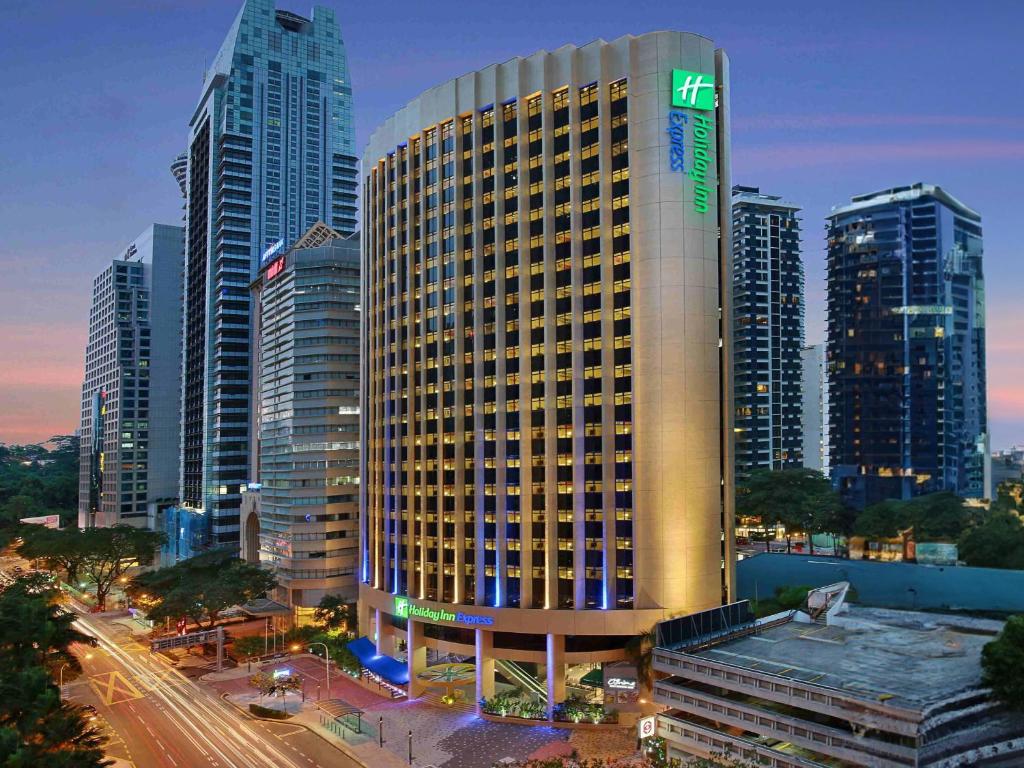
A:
814,411
906,346
546,394
831,685
270,153
768,331
305,522
130,396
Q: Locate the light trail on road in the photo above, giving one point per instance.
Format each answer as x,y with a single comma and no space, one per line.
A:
211,726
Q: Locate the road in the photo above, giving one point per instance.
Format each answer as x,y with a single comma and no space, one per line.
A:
155,717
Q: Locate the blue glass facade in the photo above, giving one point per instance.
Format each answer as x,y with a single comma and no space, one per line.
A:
906,346
270,154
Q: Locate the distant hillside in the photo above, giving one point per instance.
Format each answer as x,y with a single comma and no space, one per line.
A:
39,480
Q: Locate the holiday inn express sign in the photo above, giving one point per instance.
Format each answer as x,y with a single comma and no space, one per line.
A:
693,93
408,609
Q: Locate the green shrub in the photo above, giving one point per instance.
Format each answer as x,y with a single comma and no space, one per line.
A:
273,714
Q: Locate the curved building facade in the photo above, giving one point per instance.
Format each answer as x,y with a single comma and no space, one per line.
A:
546,469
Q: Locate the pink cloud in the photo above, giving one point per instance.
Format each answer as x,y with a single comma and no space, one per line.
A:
811,154
839,120
40,385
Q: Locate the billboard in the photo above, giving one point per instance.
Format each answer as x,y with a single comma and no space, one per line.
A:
49,521
936,553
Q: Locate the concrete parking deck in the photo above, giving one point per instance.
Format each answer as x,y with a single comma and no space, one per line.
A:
906,658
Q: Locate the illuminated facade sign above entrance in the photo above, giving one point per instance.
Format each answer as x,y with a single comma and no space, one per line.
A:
407,609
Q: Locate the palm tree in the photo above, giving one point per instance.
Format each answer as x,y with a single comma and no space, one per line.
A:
640,650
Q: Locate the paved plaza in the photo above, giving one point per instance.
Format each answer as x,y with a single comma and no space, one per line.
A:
440,737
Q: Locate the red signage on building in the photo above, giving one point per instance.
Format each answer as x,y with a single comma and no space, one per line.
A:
275,268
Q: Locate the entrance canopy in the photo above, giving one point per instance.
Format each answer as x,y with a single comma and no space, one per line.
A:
391,669
593,679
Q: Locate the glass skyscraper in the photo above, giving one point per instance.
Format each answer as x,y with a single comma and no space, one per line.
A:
768,331
270,154
906,346
129,420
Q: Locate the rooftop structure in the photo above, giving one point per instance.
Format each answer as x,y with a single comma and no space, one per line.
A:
832,685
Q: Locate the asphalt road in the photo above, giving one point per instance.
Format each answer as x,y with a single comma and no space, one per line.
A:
155,717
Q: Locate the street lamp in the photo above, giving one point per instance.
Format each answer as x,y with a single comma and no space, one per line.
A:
60,674
327,664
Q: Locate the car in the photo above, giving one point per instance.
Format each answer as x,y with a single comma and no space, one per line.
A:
89,712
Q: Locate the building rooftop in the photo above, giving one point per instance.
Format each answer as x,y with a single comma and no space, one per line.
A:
754,196
910,659
905,194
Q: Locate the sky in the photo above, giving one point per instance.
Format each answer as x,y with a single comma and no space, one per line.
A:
828,100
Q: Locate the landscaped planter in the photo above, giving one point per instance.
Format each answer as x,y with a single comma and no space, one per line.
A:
582,726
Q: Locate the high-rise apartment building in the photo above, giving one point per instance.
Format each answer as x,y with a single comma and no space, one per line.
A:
906,346
814,412
130,396
270,154
546,409
768,331
306,524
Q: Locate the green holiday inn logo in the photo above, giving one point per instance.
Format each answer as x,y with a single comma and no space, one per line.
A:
693,89
402,607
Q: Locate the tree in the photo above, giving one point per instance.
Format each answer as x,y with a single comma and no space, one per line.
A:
997,542
933,517
263,683
268,685
1002,664
36,728
202,587
58,549
798,499
640,650
883,520
334,613
249,646
111,552
36,480
34,630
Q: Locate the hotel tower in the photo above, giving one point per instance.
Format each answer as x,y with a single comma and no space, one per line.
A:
546,407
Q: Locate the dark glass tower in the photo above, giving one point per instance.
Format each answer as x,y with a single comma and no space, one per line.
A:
270,154
768,334
906,346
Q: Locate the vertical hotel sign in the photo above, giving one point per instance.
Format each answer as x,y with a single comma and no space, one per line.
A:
693,107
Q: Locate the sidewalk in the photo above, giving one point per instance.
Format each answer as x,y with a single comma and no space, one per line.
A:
362,747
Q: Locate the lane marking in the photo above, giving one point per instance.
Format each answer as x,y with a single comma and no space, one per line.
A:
114,688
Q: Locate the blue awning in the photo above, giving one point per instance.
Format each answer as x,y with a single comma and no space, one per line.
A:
391,669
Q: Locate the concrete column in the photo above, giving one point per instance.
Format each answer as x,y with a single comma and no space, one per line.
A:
417,656
555,669
363,618
385,634
484,666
